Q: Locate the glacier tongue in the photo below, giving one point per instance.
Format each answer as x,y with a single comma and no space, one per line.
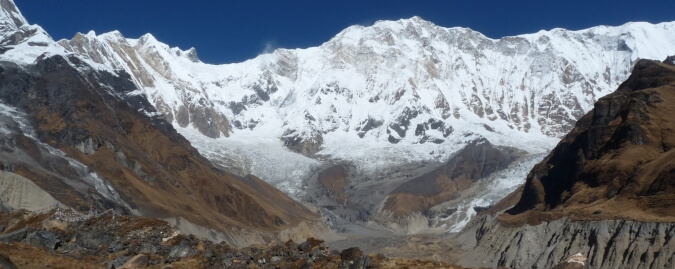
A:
264,158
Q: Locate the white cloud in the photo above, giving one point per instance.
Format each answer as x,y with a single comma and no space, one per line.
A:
270,46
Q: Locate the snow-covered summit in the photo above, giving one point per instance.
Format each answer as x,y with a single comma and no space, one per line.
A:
10,17
406,82
21,42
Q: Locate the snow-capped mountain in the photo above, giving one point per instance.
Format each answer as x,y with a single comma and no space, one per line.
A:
390,102
397,95
391,81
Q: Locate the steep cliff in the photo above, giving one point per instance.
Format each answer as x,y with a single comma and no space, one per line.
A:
617,161
605,243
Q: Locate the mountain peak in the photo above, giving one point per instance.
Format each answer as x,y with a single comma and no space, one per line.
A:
191,54
147,38
10,16
413,19
416,18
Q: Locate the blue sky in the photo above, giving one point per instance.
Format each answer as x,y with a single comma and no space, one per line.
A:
233,31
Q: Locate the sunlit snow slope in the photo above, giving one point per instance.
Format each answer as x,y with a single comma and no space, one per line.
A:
403,93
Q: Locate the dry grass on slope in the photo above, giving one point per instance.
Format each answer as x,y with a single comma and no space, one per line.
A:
617,163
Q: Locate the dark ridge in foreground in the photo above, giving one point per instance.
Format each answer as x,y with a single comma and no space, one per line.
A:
607,191
617,163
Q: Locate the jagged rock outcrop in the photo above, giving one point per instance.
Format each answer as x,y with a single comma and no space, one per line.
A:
605,243
606,190
144,59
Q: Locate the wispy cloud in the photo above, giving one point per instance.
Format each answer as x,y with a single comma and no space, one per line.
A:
269,47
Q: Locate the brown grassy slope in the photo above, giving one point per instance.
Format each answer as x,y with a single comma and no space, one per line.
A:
617,163
27,256
154,168
334,180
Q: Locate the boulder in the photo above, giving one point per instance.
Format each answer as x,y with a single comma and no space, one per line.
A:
351,254
148,248
117,262
138,261
576,261
182,251
15,236
5,262
45,239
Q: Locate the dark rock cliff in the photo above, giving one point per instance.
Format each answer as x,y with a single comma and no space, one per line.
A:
617,161
607,191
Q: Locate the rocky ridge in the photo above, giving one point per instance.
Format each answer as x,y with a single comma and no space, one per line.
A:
617,161
457,77
605,244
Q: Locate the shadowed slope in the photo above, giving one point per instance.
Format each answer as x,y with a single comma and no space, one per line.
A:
92,117
618,160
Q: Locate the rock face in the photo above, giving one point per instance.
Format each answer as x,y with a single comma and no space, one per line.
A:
144,59
606,244
19,192
606,190
83,135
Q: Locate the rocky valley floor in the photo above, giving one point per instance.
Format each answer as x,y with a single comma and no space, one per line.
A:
58,239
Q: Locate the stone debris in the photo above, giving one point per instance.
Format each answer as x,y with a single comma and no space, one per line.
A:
137,242
6,262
